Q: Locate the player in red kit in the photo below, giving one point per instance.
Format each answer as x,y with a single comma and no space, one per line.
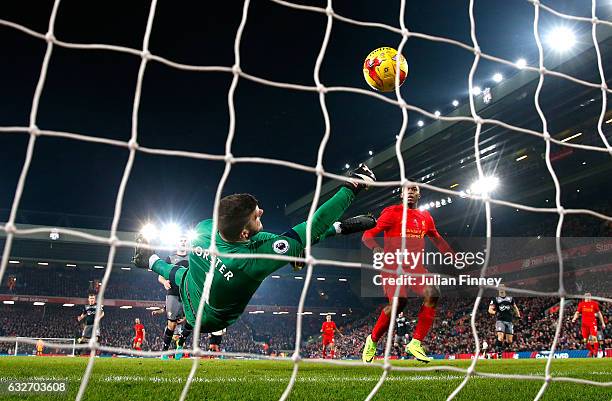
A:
589,310
329,329
139,336
419,224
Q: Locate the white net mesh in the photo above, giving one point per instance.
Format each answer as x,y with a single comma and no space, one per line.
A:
132,145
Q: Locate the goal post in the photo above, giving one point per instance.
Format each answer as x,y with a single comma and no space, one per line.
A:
51,346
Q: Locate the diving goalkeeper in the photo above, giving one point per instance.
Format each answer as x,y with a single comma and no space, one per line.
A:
228,285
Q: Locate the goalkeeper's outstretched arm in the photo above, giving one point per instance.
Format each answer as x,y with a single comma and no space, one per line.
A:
293,242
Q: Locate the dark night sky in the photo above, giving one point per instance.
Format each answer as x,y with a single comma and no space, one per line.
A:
91,92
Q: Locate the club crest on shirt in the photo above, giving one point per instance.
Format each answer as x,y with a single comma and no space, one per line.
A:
280,246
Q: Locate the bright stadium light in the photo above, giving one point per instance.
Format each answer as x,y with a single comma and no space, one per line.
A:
170,233
126,307
14,262
321,278
476,90
455,103
149,231
70,265
275,276
420,123
347,166
8,302
68,305
98,267
39,303
569,138
518,159
43,264
191,234
298,278
561,39
342,279
126,268
437,113
485,186
497,77
370,152
521,63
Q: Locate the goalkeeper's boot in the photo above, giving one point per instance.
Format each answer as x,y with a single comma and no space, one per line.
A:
141,253
179,355
362,172
355,224
369,350
415,348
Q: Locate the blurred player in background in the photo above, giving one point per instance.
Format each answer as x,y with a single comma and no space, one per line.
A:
227,284
139,335
328,328
419,224
214,340
174,306
505,308
401,330
589,310
89,315
40,346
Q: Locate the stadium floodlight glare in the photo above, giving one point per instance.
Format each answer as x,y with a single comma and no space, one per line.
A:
14,262
342,279
149,231
454,185
437,113
455,103
298,278
275,276
170,233
569,138
561,39
485,186
476,90
68,305
153,308
8,302
126,307
420,123
191,234
70,265
521,63
347,166
43,263
38,303
518,159
344,314
98,267
370,152
321,278
498,77
306,313
126,268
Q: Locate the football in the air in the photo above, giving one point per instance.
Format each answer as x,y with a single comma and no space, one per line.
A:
380,66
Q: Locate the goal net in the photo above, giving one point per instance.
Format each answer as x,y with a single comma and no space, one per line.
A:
33,131
44,346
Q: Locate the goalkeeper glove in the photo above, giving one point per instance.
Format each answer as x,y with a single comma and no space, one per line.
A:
142,254
362,172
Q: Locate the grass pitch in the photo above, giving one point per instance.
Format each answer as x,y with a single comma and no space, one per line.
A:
156,380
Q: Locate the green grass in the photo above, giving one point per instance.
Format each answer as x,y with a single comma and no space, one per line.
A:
155,380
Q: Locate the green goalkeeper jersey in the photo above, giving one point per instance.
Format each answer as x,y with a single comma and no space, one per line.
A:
228,285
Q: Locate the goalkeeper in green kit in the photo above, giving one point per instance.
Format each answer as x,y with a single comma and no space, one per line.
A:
228,285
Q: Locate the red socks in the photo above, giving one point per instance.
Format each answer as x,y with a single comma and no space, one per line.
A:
382,324
595,349
332,353
425,320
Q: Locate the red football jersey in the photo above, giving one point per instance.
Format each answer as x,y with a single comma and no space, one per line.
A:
588,309
328,329
139,329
